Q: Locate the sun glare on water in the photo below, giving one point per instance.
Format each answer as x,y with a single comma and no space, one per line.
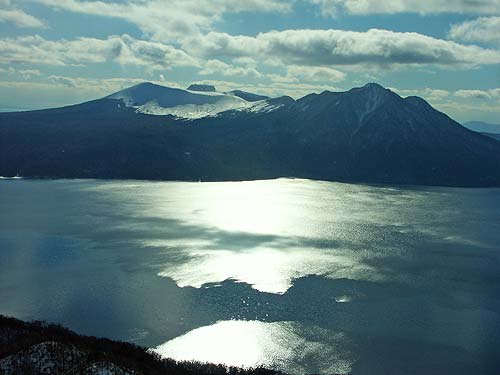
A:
254,343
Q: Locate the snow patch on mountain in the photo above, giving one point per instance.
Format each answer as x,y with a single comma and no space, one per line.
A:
264,106
193,111
197,111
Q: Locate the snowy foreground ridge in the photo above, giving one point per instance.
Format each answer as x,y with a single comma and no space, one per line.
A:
41,348
55,358
196,102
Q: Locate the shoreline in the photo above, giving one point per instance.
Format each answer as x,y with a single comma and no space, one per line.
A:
286,178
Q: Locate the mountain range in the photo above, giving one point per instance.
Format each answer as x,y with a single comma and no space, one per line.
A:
367,134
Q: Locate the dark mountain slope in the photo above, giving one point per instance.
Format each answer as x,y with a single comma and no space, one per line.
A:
97,139
492,135
367,134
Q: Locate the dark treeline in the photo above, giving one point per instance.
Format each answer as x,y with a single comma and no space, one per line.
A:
17,337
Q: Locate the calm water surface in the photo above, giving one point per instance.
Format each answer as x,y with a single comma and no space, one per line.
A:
302,276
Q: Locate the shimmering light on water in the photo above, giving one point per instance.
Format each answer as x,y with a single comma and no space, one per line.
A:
343,299
253,343
266,269
346,278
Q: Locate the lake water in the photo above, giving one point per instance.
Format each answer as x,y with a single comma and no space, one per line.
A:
297,275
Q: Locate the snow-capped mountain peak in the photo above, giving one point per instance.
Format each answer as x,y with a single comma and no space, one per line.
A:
196,102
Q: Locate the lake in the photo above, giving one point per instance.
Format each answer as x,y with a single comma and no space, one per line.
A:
297,275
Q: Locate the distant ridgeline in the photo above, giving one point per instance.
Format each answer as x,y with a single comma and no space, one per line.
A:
490,130
367,134
42,348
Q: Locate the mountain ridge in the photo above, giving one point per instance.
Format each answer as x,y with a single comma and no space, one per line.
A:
367,134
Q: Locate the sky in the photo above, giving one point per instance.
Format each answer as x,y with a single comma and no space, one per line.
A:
60,52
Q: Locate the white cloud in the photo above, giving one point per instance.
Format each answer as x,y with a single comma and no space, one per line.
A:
153,54
123,49
342,48
220,67
438,95
169,21
8,70
98,86
66,81
307,55
462,104
430,94
483,29
273,89
297,73
25,74
29,73
365,7
479,94
484,111
216,44
18,17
